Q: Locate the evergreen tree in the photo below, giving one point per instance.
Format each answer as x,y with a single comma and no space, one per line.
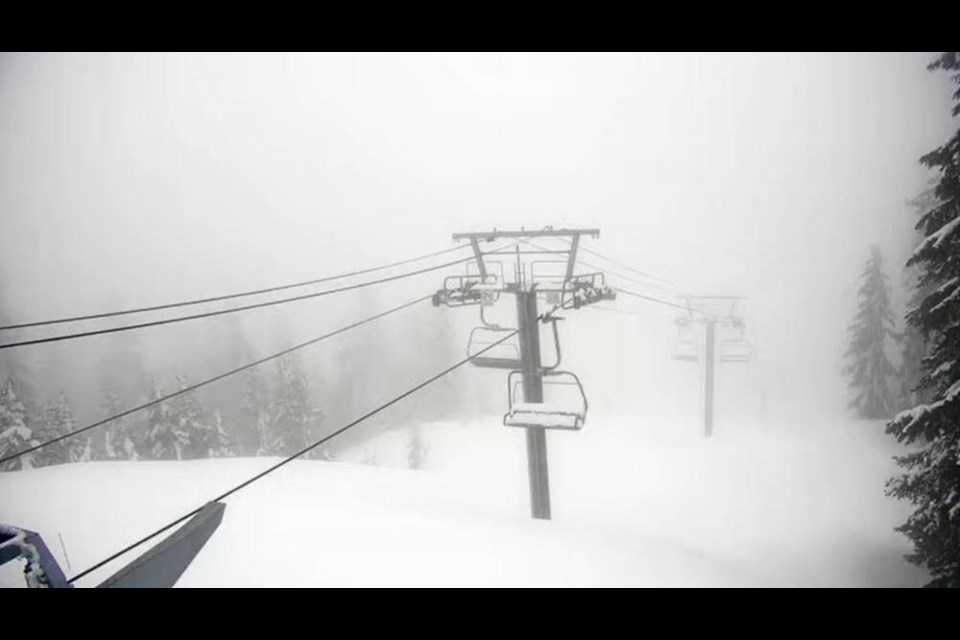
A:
416,449
165,439
101,438
55,422
255,405
191,422
124,367
15,434
914,345
231,349
202,434
931,470
294,420
219,443
79,447
118,443
15,365
871,336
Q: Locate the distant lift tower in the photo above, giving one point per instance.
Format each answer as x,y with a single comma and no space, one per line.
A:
554,279
711,312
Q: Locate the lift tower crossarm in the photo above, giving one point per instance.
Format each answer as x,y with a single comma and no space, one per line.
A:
541,233
549,232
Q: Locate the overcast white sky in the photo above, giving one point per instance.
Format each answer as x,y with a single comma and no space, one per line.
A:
129,179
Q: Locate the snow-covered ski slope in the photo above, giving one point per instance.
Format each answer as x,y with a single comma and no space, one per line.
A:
636,502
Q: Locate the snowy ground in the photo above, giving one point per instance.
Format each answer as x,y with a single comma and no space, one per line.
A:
636,502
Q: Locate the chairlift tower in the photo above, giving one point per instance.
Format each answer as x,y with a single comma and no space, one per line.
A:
563,291
712,312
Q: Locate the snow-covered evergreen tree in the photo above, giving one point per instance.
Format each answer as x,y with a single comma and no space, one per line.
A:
931,477
914,344
15,364
255,406
203,432
228,338
191,421
294,420
101,445
124,375
416,448
180,429
118,442
79,447
15,434
55,422
165,439
219,443
872,337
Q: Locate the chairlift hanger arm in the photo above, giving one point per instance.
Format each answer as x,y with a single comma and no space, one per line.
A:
556,342
483,319
489,361
572,259
479,256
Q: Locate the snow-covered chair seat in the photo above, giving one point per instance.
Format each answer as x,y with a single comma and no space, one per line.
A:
542,416
735,351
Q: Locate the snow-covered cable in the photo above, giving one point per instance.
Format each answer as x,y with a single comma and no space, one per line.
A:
230,296
303,451
664,302
306,296
213,379
584,263
620,264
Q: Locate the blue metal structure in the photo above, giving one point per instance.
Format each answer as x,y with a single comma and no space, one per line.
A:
41,570
159,567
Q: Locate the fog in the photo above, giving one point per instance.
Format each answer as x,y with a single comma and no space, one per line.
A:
142,179
131,180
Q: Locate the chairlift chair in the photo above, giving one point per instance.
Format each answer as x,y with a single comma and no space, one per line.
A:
536,415
686,351
505,355
735,351
583,289
735,348
685,348
471,288
458,291
461,291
